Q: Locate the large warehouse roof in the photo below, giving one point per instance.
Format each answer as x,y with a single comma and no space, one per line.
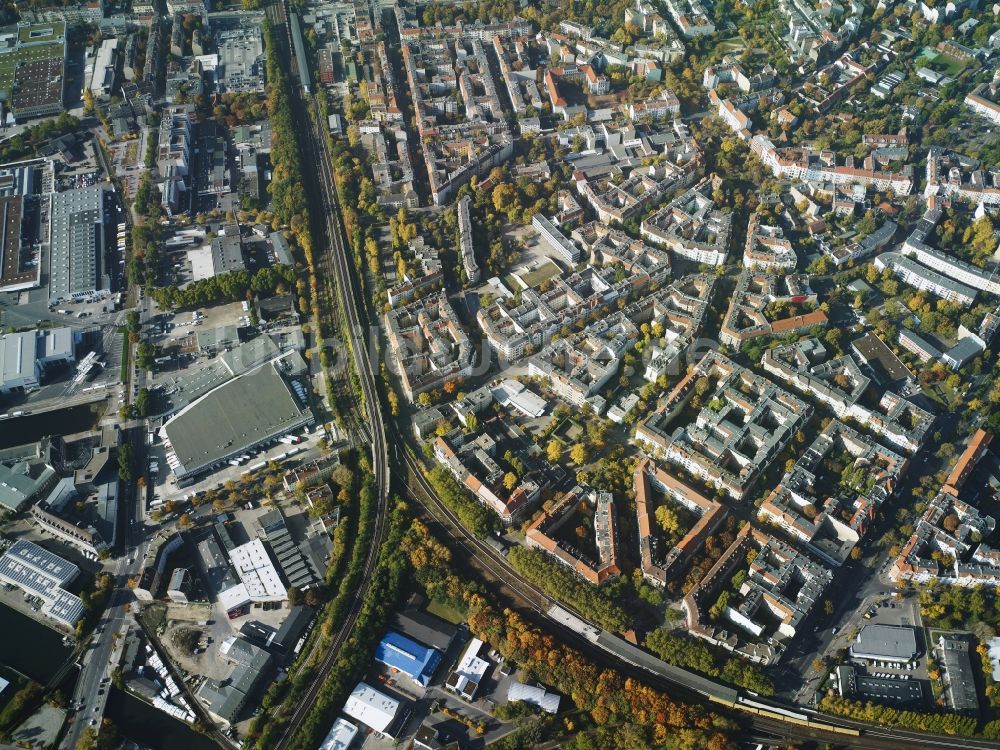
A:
37,571
233,418
889,642
17,357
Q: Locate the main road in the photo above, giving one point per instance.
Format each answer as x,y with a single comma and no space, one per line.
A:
93,685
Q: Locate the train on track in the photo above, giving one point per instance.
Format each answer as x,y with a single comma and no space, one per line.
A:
783,714
715,692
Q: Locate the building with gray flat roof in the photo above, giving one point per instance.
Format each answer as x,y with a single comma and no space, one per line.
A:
76,241
232,419
963,352
214,340
241,59
227,253
893,643
959,676
18,365
886,690
224,699
291,630
178,391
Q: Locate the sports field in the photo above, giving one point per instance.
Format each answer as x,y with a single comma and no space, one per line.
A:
946,64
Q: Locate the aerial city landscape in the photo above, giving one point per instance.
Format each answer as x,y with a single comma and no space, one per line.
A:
518,374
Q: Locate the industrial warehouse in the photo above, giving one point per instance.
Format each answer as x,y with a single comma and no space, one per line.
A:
43,576
236,417
25,356
77,243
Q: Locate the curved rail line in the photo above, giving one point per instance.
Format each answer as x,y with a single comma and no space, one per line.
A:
766,715
336,266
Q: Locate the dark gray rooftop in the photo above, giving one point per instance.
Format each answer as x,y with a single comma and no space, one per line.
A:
233,418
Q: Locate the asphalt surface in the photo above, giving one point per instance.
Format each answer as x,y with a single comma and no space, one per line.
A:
99,660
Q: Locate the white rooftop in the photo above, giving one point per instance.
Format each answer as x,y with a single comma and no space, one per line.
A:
339,736
370,707
536,696
234,596
257,572
472,667
514,394
200,259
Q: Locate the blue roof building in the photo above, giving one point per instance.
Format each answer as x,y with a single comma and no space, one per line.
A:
413,659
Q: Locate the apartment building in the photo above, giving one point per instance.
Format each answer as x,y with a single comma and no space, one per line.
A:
428,345
741,427
748,314
968,275
954,175
781,587
840,384
692,227
650,483
766,248
827,512
799,163
544,534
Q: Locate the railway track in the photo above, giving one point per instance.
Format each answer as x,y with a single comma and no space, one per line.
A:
483,554
334,264
764,718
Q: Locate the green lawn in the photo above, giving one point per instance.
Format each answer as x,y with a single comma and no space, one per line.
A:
41,32
543,273
446,613
9,61
510,282
934,60
726,46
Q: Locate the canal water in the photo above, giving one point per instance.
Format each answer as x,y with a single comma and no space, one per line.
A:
37,651
30,647
32,427
145,725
